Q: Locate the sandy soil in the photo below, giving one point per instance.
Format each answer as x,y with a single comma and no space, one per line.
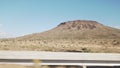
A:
11,66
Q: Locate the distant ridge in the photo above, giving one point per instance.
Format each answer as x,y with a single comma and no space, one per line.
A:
77,29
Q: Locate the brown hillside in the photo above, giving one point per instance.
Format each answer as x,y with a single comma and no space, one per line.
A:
78,29
75,36
79,25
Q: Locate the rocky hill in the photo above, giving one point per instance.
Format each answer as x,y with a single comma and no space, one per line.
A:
75,36
78,29
79,25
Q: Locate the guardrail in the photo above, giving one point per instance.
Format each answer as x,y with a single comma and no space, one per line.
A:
59,58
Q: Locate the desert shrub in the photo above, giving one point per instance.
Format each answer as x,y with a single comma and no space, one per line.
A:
85,49
115,42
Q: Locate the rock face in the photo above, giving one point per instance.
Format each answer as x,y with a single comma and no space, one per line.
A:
80,25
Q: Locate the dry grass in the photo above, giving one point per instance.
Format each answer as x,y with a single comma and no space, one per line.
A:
50,66
11,66
96,45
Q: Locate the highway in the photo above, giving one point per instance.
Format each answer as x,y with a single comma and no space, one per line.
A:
59,58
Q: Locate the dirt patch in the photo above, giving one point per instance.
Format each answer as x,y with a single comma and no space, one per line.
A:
11,66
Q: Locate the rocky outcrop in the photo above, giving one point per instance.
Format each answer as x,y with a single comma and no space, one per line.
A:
80,25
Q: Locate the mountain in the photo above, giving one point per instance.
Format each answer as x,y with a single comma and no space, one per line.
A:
78,29
72,36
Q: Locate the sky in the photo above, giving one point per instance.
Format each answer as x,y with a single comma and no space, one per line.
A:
21,17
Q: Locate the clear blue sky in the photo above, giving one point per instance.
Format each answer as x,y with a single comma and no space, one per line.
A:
19,17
